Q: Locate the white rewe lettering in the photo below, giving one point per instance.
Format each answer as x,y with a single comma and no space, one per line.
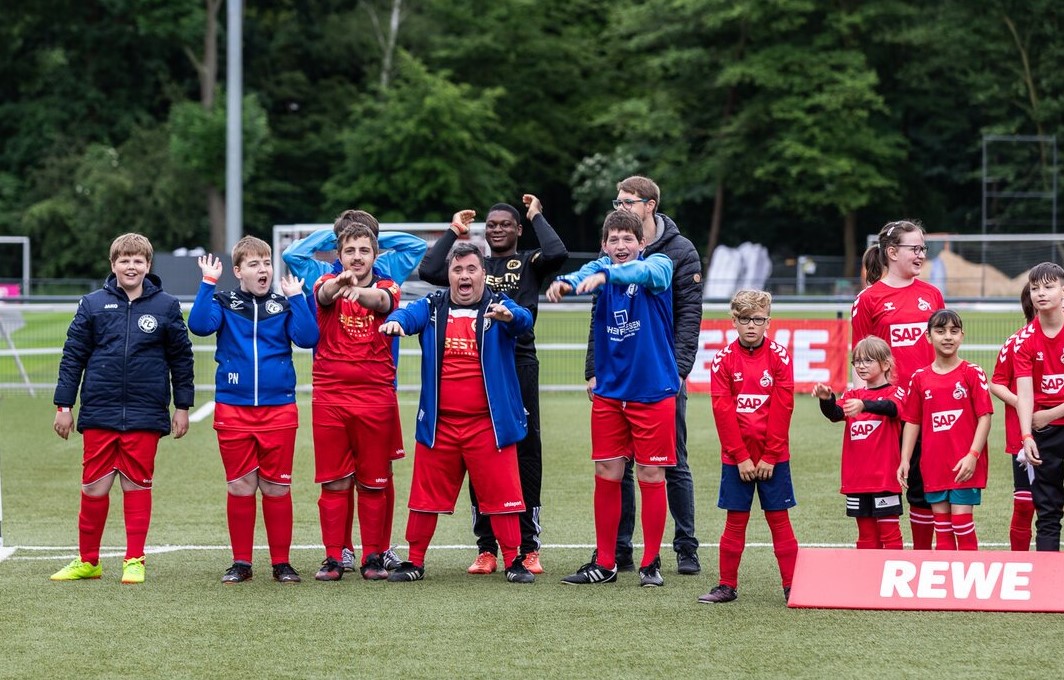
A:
938,580
931,579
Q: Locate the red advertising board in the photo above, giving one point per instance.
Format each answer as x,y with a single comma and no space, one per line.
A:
983,580
819,349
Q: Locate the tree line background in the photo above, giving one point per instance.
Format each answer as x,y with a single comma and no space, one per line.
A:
801,124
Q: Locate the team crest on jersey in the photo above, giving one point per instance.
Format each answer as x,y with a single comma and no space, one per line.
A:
513,264
959,391
1052,384
147,323
766,379
888,306
942,421
273,306
487,323
923,305
749,403
863,429
632,290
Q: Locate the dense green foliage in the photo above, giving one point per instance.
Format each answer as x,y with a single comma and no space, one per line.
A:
789,123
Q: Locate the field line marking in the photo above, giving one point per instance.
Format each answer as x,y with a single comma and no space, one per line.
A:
202,412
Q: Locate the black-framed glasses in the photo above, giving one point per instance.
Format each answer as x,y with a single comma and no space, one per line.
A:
863,362
628,202
756,320
917,250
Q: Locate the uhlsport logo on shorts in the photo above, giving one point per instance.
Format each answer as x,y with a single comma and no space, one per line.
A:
905,334
941,421
748,403
147,323
863,429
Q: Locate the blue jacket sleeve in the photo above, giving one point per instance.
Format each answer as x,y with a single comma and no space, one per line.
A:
179,359
302,326
592,267
654,273
76,352
206,315
522,321
404,252
299,257
414,317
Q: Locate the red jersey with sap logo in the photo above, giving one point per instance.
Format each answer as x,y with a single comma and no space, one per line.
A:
462,390
1005,374
353,361
753,399
871,448
947,408
1041,359
899,316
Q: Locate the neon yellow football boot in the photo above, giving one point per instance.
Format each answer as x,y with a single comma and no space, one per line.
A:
78,570
133,570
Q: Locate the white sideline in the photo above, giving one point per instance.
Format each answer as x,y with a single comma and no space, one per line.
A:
201,413
118,551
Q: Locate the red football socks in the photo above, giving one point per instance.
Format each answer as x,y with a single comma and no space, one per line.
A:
136,506
867,533
240,511
277,514
890,533
91,520
389,512
371,504
349,520
964,530
507,530
607,516
732,544
333,507
419,530
922,523
784,544
655,508
1022,514
944,537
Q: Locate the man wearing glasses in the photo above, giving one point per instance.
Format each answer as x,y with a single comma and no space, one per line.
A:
640,196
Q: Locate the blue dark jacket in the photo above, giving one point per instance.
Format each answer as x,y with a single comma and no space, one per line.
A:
125,355
495,340
254,347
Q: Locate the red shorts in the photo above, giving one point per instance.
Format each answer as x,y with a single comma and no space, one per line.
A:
356,440
465,444
259,438
130,453
627,429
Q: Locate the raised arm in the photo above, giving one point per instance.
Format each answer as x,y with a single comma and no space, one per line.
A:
300,260
433,267
400,254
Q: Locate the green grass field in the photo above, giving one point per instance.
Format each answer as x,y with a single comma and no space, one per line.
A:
184,623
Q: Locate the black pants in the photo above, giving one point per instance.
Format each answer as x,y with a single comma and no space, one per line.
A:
530,468
1047,489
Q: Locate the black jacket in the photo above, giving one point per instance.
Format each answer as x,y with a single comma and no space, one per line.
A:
686,297
125,354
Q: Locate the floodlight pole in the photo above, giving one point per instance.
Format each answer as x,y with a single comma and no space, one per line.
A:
234,73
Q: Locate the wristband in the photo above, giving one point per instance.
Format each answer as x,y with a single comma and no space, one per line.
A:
975,453
62,409
459,227
210,279
1027,436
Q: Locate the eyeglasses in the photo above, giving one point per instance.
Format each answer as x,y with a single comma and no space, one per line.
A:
628,202
756,320
917,250
863,362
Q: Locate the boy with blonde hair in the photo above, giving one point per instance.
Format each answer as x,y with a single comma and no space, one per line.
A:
125,349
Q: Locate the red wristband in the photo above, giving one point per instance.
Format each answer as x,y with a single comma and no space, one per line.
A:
62,409
975,453
1027,436
210,279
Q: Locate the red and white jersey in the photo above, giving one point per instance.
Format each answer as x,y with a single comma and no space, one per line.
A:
1041,359
899,316
462,389
354,361
947,407
871,446
1005,375
753,399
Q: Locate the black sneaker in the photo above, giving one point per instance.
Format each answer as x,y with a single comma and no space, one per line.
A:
625,563
721,593
373,569
687,563
284,573
518,572
238,573
591,573
331,570
407,571
650,575
390,559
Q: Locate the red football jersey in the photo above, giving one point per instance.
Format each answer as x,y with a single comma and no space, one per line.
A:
871,446
947,407
353,361
753,399
1005,374
462,390
1041,358
899,316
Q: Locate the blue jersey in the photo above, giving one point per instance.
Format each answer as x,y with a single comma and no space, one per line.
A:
635,359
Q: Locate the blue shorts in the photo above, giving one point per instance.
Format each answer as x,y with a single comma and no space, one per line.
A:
955,496
775,494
